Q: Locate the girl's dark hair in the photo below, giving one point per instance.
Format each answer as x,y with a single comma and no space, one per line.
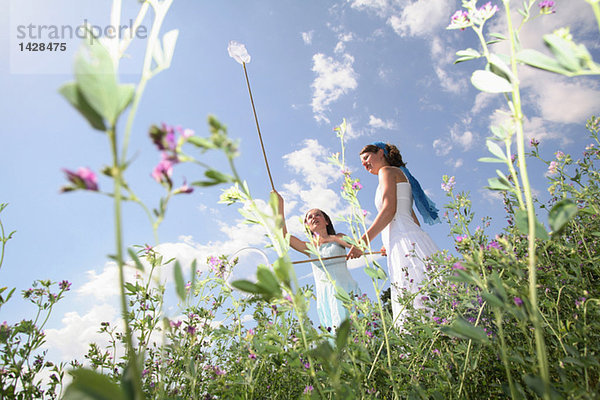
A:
393,156
330,228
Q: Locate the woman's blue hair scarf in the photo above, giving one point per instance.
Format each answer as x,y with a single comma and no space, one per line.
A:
424,204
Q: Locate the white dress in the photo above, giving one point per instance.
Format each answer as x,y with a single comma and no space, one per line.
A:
406,246
331,311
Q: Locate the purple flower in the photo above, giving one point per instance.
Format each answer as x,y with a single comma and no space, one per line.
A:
369,334
534,142
552,168
190,329
448,185
356,186
64,285
518,301
458,266
163,171
308,389
252,356
494,245
184,189
84,179
460,20
487,11
546,7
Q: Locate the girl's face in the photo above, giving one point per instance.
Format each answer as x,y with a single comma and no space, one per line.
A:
315,220
373,161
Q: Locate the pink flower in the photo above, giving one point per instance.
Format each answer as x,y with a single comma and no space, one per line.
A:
84,179
448,185
552,168
356,186
458,266
518,301
546,7
487,11
460,20
163,171
184,189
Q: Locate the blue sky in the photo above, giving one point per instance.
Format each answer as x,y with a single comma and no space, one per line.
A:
384,65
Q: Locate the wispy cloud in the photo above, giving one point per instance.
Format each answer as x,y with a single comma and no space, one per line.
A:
379,123
307,37
334,79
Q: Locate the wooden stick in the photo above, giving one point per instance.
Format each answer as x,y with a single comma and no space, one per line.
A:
330,258
258,127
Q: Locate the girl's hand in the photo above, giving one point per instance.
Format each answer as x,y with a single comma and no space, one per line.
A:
354,252
383,252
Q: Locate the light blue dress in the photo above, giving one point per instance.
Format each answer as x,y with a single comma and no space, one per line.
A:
331,311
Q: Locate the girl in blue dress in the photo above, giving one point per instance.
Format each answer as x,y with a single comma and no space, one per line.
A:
327,273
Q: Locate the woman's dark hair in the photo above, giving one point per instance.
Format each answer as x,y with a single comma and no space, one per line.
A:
393,156
330,228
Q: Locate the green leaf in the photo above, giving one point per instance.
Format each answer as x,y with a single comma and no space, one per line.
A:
464,330
495,149
246,286
523,225
539,60
492,299
563,51
491,160
179,283
499,132
342,334
201,142
215,177
96,79
500,68
169,40
466,55
498,36
489,82
341,294
282,268
135,259
126,93
90,385
561,213
267,282
73,95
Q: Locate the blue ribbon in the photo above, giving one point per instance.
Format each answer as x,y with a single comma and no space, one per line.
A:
424,204
382,146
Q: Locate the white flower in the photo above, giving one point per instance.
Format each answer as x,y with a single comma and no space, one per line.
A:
238,52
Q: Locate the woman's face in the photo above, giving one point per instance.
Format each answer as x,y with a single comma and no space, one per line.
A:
373,161
315,220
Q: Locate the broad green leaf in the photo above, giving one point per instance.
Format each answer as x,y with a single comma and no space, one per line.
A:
341,294
539,60
73,95
246,286
492,300
282,269
523,225
90,385
341,338
499,132
500,68
179,283
489,82
500,183
495,149
267,281
563,51
561,213
466,55
96,79
464,330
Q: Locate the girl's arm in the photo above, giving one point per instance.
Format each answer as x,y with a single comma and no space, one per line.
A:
295,243
387,182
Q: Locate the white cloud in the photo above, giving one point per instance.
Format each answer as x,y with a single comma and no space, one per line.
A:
421,18
441,146
307,37
380,7
334,79
378,123
311,163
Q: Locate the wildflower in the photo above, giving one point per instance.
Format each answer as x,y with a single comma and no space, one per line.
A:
534,142
460,238
369,334
546,7
190,329
145,372
64,285
460,20
494,245
184,189
308,389
231,195
252,356
163,171
579,302
458,265
560,155
356,186
436,352
518,301
306,365
552,168
448,184
84,179
487,11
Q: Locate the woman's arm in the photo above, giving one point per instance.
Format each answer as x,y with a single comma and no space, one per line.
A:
387,182
295,243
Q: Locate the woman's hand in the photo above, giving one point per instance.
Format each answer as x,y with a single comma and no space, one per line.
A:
354,252
383,252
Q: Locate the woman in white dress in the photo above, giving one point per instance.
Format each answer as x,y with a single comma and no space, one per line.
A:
406,244
331,311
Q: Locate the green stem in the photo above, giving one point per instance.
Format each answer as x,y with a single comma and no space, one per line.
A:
518,117
513,392
464,371
596,7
